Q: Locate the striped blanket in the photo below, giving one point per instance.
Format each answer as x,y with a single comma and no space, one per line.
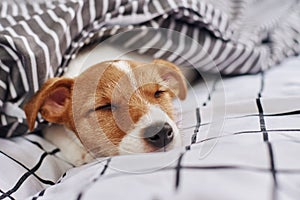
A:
39,38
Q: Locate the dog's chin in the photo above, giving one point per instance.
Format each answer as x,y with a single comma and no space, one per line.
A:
137,147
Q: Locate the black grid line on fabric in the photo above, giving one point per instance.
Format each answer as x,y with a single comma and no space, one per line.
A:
210,93
247,132
198,114
10,197
262,120
295,112
35,143
103,170
27,174
42,148
266,137
262,84
268,130
95,179
188,147
270,148
39,195
42,193
178,169
47,182
63,176
260,108
197,126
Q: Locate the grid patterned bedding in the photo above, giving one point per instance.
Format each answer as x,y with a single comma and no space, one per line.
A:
250,153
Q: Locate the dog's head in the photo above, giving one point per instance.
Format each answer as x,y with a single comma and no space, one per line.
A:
115,107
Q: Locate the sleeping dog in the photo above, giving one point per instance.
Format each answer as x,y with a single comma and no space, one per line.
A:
113,108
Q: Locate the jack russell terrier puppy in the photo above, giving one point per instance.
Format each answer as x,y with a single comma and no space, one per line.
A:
113,108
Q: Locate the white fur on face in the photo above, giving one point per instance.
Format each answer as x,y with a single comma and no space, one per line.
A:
134,141
125,67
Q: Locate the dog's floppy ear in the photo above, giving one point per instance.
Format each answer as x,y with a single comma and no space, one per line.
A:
173,75
52,101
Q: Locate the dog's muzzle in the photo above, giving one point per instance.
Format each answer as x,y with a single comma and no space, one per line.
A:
159,134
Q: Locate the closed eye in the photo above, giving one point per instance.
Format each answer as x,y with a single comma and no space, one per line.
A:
158,93
107,107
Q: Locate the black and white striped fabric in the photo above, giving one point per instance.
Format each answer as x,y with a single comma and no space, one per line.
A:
39,38
253,157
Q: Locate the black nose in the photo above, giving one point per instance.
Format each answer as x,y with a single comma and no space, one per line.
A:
159,134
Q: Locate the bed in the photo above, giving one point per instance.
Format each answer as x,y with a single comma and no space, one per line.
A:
241,133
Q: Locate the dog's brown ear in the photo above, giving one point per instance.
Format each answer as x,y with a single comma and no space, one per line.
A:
52,101
173,75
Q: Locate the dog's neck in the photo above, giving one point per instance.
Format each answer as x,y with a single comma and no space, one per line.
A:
70,146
